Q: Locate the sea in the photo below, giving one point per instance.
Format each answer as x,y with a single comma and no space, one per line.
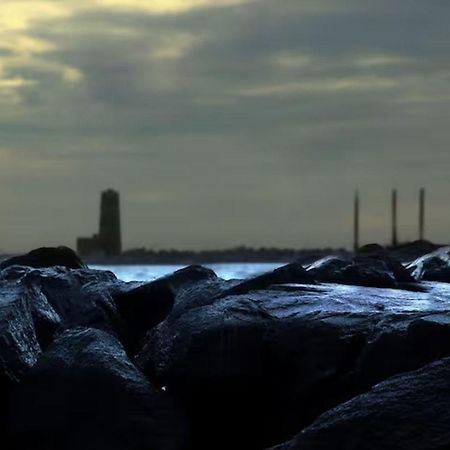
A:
226,271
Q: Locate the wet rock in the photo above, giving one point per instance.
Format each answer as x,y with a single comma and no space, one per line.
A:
410,251
408,412
200,294
372,267
85,393
432,267
264,353
46,257
290,273
145,305
19,347
47,322
330,269
78,297
189,276
218,385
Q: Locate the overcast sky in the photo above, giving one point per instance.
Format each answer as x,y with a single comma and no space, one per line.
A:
223,122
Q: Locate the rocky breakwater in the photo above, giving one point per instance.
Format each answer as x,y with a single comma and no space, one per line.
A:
191,361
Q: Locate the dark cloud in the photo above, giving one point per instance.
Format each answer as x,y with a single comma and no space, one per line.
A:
221,126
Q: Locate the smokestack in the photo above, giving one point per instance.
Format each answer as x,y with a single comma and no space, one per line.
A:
394,218
356,222
422,214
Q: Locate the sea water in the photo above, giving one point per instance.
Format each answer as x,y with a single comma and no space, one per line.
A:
227,271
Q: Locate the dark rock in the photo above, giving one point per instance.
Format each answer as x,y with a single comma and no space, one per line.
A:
46,320
213,372
394,267
408,412
46,257
370,248
84,393
19,347
188,276
432,267
200,294
145,305
262,354
290,273
329,269
374,268
78,297
410,251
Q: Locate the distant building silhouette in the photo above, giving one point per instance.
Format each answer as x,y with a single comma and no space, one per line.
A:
108,241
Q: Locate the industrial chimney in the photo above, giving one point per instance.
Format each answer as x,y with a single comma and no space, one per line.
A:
356,222
422,214
394,242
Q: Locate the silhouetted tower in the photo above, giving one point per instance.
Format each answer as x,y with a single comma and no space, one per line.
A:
394,218
356,222
109,233
422,214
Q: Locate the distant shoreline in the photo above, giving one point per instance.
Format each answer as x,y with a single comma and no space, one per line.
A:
232,256
242,255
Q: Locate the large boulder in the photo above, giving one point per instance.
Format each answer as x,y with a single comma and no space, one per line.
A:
408,412
46,257
434,266
84,393
19,346
262,354
144,305
290,273
372,267
78,297
410,251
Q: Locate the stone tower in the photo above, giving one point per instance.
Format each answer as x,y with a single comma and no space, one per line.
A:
109,232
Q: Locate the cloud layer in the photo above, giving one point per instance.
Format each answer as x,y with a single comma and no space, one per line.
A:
222,122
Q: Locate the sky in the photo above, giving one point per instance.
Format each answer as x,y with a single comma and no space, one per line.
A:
223,122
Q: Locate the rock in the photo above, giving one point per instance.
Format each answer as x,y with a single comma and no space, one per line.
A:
84,393
200,294
264,353
373,267
432,267
290,273
189,276
46,257
394,267
329,269
145,305
370,249
46,320
78,297
410,251
19,347
218,384
408,412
